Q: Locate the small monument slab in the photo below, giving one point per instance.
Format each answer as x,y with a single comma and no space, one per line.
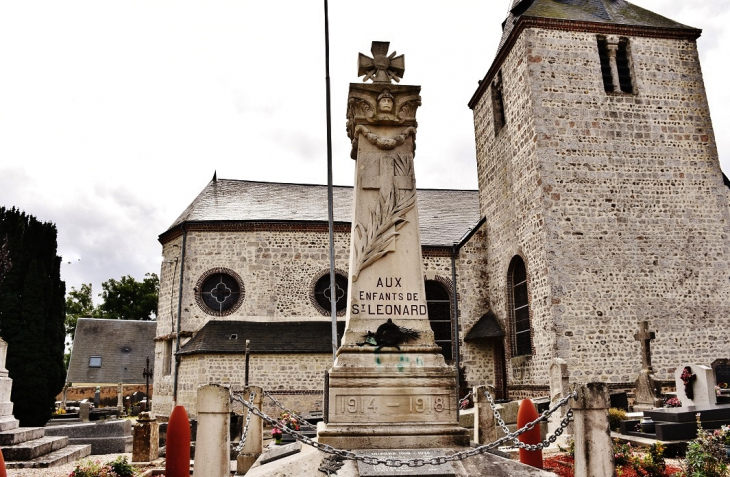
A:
441,470
279,452
695,385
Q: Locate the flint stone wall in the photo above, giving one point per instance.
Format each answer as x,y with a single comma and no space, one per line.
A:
616,202
278,268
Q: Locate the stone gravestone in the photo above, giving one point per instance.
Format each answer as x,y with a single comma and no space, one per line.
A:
721,367
390,387
648,393
7,420
146,440
559,388
700,384
120,399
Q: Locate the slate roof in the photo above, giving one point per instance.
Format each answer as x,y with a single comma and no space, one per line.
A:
487,327
281,337
444,215
618,12
123,346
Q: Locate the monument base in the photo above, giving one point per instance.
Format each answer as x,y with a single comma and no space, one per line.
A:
402,436
647,392
395,399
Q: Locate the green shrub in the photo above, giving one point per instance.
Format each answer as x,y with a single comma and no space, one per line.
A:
615,416
705,455
117,468
122,467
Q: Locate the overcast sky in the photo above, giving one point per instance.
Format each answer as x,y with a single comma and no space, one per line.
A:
115,114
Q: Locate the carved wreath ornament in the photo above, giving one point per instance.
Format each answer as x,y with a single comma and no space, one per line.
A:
374,238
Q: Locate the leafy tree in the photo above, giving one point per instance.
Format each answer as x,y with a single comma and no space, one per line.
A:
78,305
128,299
32,312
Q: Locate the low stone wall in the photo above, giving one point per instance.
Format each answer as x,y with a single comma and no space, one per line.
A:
108,394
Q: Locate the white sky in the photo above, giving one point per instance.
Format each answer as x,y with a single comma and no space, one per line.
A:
114,114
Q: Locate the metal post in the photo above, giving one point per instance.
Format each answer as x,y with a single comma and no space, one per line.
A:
179,310
245,381
330,200
455,319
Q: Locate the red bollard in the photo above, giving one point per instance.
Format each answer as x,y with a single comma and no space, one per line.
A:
526,414
3,473
177,463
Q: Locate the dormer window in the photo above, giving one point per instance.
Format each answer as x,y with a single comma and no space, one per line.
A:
615,64
498,104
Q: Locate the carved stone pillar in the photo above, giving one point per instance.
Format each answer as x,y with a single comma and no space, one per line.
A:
612,49
390,386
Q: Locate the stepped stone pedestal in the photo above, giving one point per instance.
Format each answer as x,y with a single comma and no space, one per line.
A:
27,447
7,421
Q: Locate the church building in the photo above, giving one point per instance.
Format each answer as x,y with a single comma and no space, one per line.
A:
601,204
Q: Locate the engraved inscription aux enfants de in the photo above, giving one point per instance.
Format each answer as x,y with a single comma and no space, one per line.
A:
371,302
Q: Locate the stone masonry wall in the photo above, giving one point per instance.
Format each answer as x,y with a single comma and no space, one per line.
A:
509,178
638,211
624,194
472,280
278,268
289,376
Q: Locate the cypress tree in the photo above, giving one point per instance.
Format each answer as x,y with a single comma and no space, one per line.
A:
32,312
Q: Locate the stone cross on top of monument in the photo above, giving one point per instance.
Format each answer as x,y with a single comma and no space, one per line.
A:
381,68
645,336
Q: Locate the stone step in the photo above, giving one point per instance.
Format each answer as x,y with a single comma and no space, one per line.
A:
33,449
7,423
19,435
53,459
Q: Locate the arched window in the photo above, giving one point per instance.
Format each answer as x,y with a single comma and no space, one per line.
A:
438,300
521,331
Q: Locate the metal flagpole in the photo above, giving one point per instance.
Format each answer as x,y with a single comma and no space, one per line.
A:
330,200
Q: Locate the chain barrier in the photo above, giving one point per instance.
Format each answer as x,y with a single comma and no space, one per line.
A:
303,422
244,434
465,399
564,423
371,460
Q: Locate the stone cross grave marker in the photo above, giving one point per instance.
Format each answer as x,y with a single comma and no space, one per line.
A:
645,337
648,394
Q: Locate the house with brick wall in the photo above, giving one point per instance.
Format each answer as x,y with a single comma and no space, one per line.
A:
601,204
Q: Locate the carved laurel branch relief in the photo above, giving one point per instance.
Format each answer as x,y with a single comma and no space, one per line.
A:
374,241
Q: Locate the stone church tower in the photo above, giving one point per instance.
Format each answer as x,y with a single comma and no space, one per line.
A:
602,192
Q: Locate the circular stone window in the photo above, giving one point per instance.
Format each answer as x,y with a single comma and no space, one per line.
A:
220,292
322,293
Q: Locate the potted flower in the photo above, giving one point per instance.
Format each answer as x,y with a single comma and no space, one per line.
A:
276,434
673,402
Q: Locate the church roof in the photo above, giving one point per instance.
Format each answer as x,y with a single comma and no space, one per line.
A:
604,16
444,215
229,337
487,327
111,351
617,12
